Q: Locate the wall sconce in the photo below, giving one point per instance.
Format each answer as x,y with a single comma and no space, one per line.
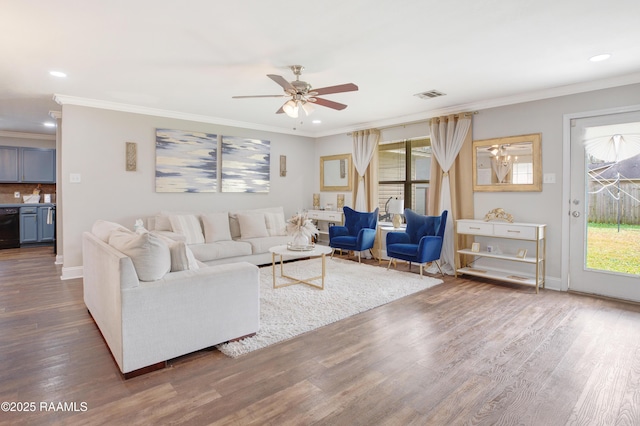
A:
131,156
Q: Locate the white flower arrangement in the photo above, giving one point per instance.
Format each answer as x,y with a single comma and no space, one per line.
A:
300,224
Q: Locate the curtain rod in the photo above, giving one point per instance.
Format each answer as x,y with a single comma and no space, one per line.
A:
462,114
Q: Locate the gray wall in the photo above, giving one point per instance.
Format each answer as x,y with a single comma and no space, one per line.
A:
93,145
544,116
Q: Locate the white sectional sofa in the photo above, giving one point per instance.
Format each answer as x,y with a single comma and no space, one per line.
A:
225,237
152,301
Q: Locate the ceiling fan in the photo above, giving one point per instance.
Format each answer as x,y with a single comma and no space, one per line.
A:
303,95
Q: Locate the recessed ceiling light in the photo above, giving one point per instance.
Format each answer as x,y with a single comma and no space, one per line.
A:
601,57
49,124
57,74
317,121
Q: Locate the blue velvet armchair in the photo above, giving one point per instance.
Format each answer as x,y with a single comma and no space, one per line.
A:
358,232
422,241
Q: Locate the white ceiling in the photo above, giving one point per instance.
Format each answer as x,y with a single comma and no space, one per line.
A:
190,57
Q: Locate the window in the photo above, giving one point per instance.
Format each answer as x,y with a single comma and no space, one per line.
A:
522,173
404,176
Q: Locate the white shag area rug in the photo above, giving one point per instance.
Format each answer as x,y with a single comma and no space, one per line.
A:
349,288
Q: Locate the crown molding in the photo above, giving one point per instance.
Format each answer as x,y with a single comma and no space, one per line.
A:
115,106
22,135
537,95
553,92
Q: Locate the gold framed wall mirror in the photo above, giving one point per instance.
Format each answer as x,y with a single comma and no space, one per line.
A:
335,173
508,164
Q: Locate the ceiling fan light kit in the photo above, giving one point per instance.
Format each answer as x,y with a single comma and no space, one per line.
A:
290,108
303,95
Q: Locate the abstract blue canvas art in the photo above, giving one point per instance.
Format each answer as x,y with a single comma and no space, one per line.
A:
246,164
186,161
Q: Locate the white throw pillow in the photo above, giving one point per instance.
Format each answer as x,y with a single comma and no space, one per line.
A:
275,223
189,226
252,225
182,257
102,229
216,227
149,254
162,222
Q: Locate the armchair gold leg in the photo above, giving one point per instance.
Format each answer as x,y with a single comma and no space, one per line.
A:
389,265
359,257
439,268
332,251
421,270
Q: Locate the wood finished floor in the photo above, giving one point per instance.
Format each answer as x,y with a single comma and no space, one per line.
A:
464,352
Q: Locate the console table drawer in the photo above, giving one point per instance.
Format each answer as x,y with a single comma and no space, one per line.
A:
325,215
514,231
479,228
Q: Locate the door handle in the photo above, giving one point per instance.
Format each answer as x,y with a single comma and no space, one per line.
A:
575,213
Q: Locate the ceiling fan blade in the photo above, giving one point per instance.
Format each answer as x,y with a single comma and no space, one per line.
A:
259,96
349,87
281,81
280,111
330,104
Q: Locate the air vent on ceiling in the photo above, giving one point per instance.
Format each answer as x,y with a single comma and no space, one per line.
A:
429,94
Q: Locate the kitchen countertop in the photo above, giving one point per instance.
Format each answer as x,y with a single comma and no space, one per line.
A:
28,205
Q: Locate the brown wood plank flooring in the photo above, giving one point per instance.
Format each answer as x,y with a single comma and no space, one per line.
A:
464,352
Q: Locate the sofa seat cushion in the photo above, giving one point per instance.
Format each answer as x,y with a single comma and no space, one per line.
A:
262,245
220,250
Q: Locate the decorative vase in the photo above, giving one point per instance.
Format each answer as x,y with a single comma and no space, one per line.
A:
300,240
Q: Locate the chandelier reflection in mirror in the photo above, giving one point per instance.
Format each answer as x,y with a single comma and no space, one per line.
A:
502,162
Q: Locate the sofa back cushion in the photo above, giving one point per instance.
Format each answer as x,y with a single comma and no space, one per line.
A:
149,254
102,229
189,226
234,225
275,223
216,227
252,225
161,221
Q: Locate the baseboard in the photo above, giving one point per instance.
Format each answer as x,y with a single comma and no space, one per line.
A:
59,260
553,284
71,273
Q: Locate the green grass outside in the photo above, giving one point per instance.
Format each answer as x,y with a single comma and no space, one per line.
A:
611,250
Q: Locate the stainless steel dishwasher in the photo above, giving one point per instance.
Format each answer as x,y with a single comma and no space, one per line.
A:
9,227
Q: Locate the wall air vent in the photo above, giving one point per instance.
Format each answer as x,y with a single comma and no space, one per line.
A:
429,94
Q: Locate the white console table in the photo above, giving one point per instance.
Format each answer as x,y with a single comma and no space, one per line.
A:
532,239
323,218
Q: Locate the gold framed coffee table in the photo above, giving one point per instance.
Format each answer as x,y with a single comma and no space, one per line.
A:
284,251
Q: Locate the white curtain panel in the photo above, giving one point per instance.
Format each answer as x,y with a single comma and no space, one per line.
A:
365,143
447,138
